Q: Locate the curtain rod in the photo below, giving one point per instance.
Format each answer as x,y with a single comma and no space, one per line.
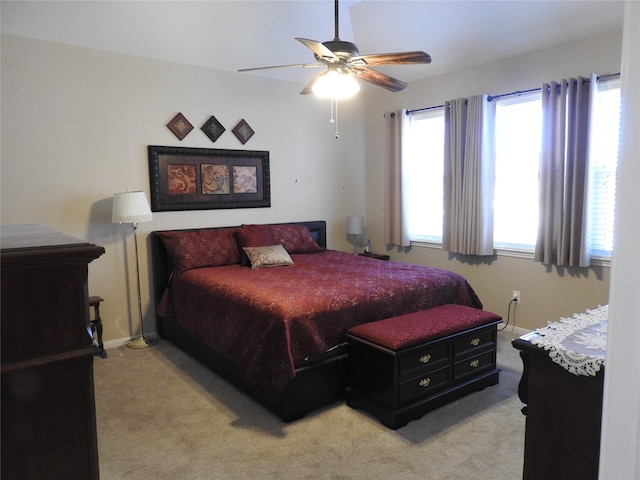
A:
424,109
517,92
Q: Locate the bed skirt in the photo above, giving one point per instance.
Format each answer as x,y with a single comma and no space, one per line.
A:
316,384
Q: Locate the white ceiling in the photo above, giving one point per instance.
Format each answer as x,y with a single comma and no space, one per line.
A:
229,35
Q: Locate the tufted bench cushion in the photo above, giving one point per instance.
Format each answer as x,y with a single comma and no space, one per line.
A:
398,333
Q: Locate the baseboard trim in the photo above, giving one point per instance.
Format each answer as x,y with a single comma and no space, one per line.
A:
517,330
119,342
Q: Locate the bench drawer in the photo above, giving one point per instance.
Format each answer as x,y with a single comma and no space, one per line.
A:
477,340
423,385
474,364
423,359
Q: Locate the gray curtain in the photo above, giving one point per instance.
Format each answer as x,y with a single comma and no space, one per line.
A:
395,224
563,224
469,172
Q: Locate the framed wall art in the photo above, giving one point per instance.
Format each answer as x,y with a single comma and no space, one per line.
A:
213,128
180,126
205,179
243,131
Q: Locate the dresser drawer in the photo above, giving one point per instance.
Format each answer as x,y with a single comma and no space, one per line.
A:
423,359
423,385
477,340
474,364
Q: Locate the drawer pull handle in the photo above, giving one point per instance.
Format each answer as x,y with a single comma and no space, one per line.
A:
425,358
474,363
475,342
425,382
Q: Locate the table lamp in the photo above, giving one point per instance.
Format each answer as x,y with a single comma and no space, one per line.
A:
355,227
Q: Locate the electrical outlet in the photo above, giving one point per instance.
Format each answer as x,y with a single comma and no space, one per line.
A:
515,295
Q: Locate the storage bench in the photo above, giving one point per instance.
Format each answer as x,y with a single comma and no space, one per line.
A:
403,367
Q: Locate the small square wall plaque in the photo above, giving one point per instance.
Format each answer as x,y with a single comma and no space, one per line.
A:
180,126
213,128
243,131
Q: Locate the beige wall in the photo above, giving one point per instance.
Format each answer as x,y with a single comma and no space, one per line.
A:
547,293
76,124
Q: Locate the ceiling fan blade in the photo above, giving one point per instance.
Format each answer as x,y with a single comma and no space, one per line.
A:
309,86
398,58
319,49
379,79
304,65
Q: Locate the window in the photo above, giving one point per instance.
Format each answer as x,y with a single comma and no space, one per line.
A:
423,177
603,149
518,132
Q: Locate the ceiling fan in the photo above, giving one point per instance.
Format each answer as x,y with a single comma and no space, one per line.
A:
343,59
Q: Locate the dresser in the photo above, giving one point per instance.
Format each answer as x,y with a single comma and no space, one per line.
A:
48,419
562,389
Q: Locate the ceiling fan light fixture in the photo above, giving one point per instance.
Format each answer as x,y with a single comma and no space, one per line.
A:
335,85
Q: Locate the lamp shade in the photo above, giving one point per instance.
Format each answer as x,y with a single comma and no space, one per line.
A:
130,207
336,85
355,225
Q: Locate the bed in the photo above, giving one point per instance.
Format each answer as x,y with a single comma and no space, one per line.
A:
267,306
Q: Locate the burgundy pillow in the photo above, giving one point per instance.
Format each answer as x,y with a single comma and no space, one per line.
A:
295,238
253,236
201,248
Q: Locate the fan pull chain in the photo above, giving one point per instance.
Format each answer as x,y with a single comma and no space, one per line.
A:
334,115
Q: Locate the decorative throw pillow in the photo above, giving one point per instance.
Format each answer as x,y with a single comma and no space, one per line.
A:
253,236
269,256
295,238
201,248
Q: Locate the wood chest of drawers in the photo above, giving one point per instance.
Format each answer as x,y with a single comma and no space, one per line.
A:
48,412
564,412
399,385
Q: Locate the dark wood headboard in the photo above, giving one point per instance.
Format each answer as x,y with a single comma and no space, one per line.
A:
161,262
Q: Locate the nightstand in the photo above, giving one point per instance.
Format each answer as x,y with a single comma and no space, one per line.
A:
377,256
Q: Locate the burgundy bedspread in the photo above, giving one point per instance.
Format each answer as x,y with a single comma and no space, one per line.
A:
269,320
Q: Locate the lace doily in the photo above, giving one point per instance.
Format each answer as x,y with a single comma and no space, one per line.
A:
579,343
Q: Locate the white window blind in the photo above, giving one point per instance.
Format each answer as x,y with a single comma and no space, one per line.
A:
603,159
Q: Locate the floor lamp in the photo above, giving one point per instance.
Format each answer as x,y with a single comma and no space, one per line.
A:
132,207
355,226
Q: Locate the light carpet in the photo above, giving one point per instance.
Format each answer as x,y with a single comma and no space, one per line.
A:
162,415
